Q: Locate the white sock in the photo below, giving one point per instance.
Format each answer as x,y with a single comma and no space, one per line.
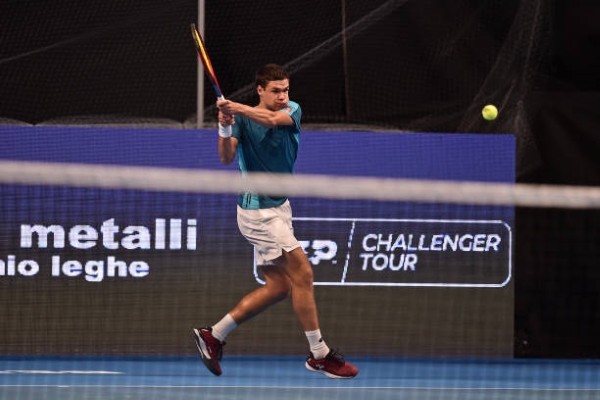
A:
318,347
221,329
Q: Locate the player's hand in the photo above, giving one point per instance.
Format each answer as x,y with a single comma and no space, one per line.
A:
226,107
226,119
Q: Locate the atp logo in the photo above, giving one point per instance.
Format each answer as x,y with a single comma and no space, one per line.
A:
319,250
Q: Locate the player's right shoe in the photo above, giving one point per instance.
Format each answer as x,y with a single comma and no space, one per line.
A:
333,366
210,348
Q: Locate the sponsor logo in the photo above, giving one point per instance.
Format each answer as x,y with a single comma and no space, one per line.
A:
319,250
406,252
174,234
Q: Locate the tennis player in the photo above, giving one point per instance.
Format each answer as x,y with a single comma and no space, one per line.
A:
265,139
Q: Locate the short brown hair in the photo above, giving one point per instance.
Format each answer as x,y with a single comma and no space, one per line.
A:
268,73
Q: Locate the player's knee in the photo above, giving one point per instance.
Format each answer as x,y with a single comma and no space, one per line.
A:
280,290
284,290
304,276
298,268
284,293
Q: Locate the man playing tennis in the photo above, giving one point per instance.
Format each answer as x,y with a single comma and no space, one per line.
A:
265,139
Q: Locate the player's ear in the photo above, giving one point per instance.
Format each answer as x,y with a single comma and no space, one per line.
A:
260,90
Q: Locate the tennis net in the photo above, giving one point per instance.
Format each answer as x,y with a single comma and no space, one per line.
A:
320,186
123,260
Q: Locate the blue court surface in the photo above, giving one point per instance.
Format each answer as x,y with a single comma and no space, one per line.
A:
286,378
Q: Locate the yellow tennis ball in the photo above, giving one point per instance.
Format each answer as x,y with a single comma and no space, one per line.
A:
489,112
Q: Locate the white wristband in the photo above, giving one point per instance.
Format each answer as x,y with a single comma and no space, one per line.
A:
224,131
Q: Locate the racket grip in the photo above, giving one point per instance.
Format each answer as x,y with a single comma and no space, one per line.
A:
224,131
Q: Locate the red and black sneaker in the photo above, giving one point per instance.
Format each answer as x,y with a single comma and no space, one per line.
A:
210,349
333,366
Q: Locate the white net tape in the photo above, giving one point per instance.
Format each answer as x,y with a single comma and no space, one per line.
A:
321,186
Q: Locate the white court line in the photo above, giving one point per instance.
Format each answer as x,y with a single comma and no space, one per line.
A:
59,372
312,387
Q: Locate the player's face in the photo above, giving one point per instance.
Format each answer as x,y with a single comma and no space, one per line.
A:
275,95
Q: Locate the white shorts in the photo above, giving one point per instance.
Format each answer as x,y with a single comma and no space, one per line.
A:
269,230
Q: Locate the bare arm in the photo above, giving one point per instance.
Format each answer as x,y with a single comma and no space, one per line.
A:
227,149
259,115
227,145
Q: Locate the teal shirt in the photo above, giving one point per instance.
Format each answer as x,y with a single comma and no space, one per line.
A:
262,149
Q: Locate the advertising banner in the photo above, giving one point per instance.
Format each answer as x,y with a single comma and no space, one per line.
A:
113,271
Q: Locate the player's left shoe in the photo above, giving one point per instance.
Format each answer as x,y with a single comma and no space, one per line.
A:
210,348
333,366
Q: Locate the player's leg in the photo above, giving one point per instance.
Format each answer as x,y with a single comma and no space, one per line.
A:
321,358
276,288
210,340
300,272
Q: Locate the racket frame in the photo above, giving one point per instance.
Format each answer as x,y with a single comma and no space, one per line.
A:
206,63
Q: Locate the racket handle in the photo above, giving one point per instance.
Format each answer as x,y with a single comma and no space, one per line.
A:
224,131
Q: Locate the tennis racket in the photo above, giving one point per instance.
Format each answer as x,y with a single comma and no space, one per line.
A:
224,131
208,68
